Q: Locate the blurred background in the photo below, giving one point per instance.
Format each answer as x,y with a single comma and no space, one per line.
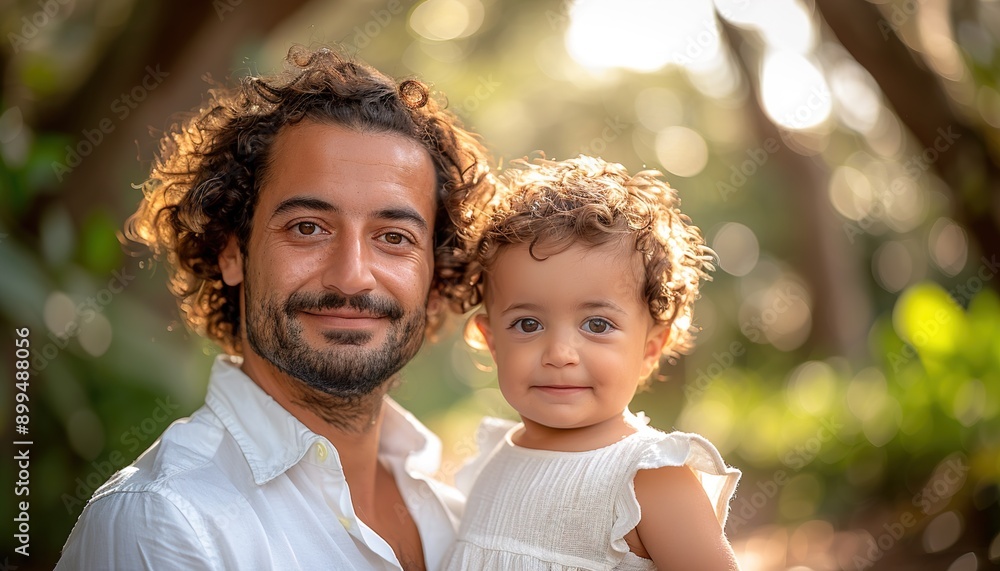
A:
841,157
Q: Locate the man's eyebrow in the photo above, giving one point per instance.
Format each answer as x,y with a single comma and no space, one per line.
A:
316,204
402,214
303,203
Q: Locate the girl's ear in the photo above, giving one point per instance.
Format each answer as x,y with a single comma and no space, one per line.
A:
656,340
485,333
231,263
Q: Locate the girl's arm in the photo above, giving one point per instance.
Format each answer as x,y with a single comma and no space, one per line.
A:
679,528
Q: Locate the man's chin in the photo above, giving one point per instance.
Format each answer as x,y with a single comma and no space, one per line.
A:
348,337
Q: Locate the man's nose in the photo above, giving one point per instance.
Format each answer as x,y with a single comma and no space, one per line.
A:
349,266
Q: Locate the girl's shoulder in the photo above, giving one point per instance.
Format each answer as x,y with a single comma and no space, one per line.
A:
490,434
676,448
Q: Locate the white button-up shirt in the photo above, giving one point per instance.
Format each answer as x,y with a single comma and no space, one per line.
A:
242,484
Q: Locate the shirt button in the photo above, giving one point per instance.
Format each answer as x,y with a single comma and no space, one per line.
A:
321,451
344,522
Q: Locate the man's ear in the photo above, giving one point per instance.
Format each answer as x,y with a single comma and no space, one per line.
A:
656,340
231,263
482,324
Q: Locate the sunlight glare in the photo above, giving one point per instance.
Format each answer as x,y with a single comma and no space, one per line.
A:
641,35
782,24
794,91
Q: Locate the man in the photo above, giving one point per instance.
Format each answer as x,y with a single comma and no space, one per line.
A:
309,220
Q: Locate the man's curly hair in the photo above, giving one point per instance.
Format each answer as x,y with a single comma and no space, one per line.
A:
205,180
554,204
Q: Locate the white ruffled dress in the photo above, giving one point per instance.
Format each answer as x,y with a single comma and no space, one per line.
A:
532,510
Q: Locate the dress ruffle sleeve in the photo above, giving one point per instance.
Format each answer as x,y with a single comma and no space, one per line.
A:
677,449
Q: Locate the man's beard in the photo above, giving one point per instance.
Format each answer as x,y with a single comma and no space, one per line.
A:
341,368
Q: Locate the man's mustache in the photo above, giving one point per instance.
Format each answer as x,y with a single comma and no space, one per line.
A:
366,303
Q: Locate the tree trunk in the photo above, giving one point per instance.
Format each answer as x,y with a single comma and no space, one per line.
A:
964,162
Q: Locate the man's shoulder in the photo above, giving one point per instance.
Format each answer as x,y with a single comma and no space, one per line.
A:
172,499
184,462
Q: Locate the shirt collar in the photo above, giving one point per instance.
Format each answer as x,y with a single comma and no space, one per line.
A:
272,440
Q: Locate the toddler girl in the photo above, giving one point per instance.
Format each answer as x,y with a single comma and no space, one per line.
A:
587,277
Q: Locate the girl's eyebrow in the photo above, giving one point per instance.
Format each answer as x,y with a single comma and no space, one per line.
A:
599,304
603,304
524,306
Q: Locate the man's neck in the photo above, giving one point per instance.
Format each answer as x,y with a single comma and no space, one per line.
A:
353,425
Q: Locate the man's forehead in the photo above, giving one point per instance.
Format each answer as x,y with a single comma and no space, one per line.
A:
347,166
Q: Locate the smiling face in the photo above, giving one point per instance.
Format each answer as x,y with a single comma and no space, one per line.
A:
340,259
570,334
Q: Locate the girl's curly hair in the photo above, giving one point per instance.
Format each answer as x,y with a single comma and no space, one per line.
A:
554,204
208,172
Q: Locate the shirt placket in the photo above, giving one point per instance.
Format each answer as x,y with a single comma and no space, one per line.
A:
337,496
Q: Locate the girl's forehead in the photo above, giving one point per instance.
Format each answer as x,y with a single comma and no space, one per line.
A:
578,270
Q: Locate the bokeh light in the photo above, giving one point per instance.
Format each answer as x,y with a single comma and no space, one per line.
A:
793,90
851,193
942,532
948,246
737,248
856,93
681,151
442,20
892,266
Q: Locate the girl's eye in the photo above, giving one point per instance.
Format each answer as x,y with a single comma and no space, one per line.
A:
597,325
527,325
307,228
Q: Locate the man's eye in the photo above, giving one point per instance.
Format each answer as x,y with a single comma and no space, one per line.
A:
527,325
307,228
394,238
597,325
